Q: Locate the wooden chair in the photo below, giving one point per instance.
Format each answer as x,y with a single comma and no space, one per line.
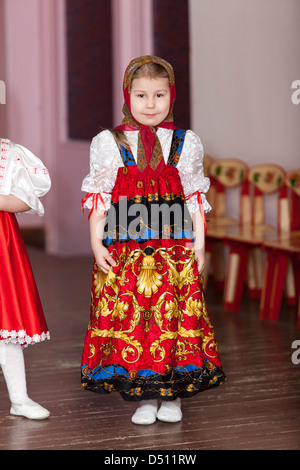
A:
245,241
282,253
225,175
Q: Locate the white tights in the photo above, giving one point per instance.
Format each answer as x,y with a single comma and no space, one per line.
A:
13,368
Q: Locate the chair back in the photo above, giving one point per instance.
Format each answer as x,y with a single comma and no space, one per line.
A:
226,174
292,181
268,179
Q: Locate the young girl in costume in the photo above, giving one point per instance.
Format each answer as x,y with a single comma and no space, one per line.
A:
150,336
23,179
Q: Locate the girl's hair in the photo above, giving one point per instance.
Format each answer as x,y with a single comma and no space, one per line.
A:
151,70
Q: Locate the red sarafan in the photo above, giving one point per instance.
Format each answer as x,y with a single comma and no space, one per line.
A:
150,335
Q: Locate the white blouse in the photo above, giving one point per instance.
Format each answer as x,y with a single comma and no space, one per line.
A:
23,175
105,160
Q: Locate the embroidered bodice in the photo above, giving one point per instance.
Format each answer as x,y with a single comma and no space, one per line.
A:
105,160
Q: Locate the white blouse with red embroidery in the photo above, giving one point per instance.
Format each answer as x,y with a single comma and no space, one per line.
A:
105,160
23,175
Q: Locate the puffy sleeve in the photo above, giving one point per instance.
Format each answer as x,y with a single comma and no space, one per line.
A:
105,161
191,172
30,179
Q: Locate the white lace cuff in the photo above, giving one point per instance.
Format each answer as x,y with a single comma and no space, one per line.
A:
191,172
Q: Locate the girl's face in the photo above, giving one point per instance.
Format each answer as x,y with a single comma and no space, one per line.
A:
150,100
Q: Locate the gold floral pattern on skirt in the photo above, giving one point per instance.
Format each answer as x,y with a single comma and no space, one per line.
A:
149,314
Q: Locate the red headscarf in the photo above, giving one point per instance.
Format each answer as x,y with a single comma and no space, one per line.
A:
150,158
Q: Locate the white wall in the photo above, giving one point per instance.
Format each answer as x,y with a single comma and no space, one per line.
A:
245,56
2,72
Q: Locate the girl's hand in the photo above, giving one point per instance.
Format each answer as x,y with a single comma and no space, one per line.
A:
103,258
200,260
199,240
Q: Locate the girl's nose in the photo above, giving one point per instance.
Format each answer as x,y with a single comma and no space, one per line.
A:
150,103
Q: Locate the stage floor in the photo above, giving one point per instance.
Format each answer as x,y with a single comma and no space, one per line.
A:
257,408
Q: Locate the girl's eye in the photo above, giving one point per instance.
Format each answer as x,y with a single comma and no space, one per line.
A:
140,95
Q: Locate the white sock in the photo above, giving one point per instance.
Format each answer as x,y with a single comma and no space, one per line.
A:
146,412
13,368
170,411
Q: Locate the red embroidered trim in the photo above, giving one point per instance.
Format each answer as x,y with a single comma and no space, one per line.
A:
3,160
37,171
95,198
199,199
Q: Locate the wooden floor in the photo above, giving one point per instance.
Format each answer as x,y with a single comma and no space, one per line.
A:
257,408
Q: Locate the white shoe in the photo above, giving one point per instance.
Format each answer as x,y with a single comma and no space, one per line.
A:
170,411
146,413
30,410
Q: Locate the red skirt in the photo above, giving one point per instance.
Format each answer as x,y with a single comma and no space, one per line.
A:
150,334
21,315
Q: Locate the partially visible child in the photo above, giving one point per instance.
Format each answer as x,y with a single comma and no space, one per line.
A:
23,180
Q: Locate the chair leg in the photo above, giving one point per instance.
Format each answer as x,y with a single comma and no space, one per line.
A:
290,287
296,266
235,277
296,270
267,285
255,272
218,261
274,280
278,285
251,281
